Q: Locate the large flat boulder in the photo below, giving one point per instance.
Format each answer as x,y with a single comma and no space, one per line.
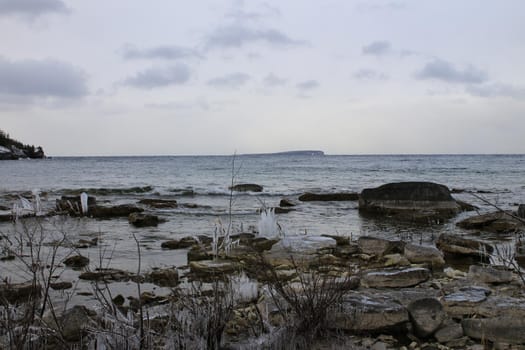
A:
499,222
379,246
419,254
459,246
503,329
395,278
359,312
328,197
413,201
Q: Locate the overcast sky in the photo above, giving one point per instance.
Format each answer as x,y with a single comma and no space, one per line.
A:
139,77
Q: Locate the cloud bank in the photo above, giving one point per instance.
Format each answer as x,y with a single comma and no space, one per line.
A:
447,72
31,8
46,78
160,77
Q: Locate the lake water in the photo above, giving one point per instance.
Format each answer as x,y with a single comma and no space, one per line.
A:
203,182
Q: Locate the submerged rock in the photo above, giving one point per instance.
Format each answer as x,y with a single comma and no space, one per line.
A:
183,243
72,204
246,188
164,277
61,285
284,203
143,220
413,201
115,211
395,278
159,203
77,261
328,197
105,275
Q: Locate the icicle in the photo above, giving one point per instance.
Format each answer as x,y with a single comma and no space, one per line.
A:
268,226
37,203
25,204
84,202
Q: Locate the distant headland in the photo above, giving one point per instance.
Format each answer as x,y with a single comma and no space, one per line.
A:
289,153
13,149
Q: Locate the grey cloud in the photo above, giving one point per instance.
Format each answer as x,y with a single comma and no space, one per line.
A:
377,48
445,71
237,36
31,8
233,80
308,85
497,90
159,52
160,77
369,74
46,78
272,80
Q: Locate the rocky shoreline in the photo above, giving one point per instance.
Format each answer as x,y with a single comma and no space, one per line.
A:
11,149
454,293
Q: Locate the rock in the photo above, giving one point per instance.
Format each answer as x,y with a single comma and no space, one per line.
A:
379,246
71,204
427,315
302,245
61,285
358,312
159,203
83,243
284,203
279,210
393,260
395,278
75,321
164,277
412,201
112,212
340,240
521,211
449,331
418,254
119,300
143,220
498,329
464,206
19,292
328,197
492,222
346,251
212,268
183,243
77,261
261,244
465,300
489,274
105,275
461,246
198,253
246,188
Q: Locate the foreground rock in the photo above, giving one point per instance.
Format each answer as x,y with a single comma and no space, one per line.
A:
328,197
77,261
489,275
379,246
492,222
413,201
19,292
72,204
509,330
418,254
427,315
395,278
359,312
246,188
75,322
458,246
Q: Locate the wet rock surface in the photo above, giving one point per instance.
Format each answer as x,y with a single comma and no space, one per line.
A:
411,201
427,315
395,278
246,188
461,246
328,197
143,220
493,222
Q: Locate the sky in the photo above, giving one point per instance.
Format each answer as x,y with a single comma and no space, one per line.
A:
164,77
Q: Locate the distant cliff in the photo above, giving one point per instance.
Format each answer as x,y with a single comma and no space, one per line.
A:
13,149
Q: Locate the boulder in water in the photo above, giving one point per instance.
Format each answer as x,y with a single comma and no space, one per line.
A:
463,247
246,188
115,211
492,222
143,220
413,201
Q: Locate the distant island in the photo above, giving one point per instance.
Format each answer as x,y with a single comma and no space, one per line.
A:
288,153
13,149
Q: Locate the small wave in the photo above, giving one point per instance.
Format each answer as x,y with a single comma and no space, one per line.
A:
107,191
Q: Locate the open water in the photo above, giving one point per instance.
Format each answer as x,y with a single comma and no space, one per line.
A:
203,182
